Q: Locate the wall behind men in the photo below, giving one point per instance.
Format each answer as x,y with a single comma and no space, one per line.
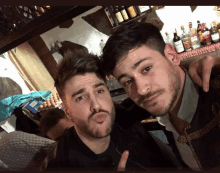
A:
83,33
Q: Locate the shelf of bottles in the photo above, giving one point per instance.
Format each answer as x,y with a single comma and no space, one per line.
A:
197,41
119,15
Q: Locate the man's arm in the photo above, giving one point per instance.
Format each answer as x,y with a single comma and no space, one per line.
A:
200,70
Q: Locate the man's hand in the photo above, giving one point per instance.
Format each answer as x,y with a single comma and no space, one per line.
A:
200,71
123,161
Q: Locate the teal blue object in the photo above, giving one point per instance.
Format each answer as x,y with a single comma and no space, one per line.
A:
8,104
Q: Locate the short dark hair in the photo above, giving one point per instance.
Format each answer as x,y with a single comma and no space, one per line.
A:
49,119
75,63
127,37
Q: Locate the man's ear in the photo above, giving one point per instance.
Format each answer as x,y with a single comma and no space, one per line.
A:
66,110
171,54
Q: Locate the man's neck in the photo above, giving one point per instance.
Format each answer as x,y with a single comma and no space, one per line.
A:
98,146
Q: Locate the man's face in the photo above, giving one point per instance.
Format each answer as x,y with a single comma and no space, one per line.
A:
89,105
149,79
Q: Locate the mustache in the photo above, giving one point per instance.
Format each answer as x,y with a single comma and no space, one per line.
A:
150,94
95,112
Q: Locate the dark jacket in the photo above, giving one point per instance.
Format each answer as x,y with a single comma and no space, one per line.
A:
203,133
144,152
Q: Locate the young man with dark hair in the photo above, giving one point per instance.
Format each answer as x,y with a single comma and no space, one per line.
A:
53,123
149,71
96,141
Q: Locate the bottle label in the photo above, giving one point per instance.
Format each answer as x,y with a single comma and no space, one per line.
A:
194,39
215,37
179,46
205,34
124,14
119,17
132,12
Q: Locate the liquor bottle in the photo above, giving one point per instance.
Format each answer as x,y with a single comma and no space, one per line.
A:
178,43
168,39
214,32
124,13
199,31
111,10
137,9
108,14
218,26
194,37
131,11
118,15
206,35
186,40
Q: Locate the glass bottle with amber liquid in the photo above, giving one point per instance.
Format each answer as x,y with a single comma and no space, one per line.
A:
124,13
195,43
178,43
186,40
132,12
118,15
199,32
207,40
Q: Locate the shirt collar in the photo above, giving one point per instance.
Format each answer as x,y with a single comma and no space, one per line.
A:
189,100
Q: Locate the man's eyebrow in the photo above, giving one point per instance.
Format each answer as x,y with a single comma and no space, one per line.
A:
140,61
121,76
134,67
99,84
78,92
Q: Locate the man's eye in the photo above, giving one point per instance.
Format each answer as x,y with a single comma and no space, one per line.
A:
127,83
79,98
100,91
146,69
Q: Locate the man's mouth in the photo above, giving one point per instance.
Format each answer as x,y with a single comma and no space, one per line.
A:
151,99
99,117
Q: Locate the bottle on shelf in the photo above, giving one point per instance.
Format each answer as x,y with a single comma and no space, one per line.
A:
199,31
186,40
214,32
194,37
124,13
206,35
111,10
168,38
108,14
118,15
131,11
138,11
178,43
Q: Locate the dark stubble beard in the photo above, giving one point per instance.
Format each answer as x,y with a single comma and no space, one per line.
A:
85,128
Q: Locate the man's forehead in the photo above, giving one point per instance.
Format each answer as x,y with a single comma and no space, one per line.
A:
82,81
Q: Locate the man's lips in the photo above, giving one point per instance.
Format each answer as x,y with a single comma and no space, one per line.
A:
99,117
150,99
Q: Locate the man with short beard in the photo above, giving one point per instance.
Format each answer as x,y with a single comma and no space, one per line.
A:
148,69
96,141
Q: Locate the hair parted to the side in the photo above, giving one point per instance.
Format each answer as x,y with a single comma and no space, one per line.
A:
75,63
50,118
128,37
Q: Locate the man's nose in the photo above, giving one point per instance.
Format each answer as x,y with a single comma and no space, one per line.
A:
95,105
142,86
